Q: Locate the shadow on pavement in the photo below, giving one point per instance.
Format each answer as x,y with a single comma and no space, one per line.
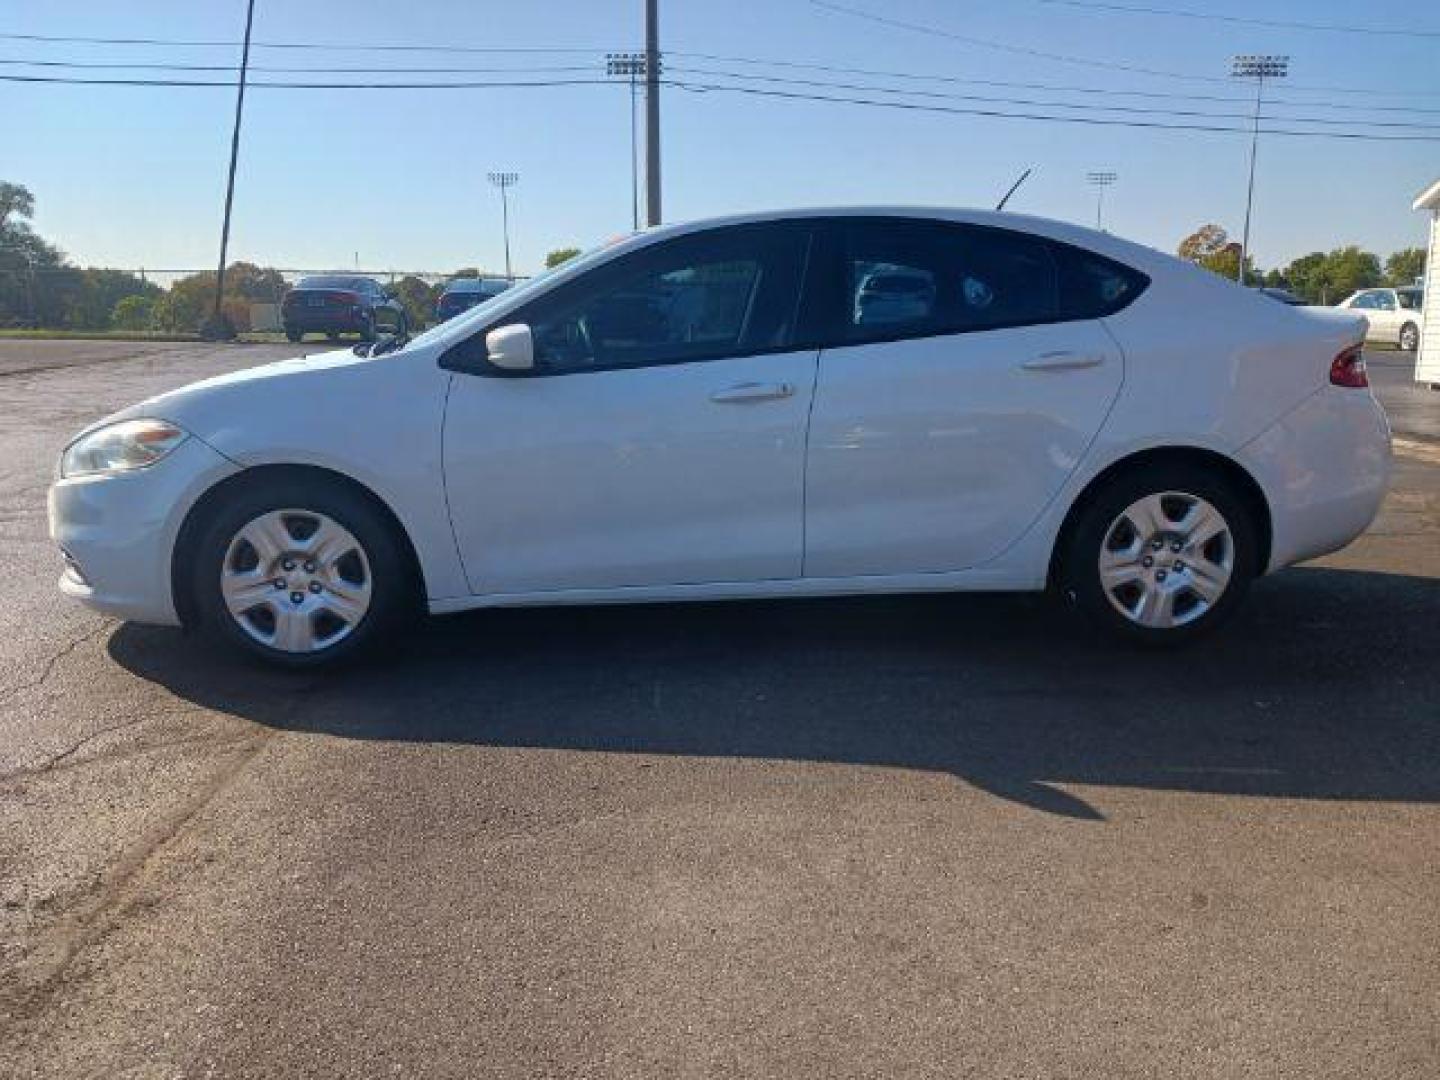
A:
1326,686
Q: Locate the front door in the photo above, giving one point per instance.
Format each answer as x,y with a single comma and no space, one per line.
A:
660,439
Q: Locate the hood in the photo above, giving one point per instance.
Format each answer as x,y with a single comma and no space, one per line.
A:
193,405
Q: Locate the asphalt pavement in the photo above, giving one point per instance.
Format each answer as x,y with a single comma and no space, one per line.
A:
928,836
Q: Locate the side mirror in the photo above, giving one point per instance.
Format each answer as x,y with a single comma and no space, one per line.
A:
511,348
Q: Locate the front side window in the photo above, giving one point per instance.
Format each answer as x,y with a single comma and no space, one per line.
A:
730,292
1384,301
1409,299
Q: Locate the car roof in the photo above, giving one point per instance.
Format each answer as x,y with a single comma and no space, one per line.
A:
1103,243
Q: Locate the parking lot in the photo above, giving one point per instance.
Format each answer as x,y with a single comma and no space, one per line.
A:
930,836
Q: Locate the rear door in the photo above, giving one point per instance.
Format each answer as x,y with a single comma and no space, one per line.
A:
964,374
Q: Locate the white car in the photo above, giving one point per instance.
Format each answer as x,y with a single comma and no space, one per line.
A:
1392,316
703,412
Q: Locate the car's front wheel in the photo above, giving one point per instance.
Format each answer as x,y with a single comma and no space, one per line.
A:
299,573
1162,553
1409,337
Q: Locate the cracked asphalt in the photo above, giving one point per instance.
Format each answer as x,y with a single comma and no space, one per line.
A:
934,836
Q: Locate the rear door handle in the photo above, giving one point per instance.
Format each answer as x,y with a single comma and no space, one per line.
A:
741,393
1062,360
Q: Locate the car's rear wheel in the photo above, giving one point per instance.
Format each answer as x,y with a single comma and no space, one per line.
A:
1162,554
1409,337
299,573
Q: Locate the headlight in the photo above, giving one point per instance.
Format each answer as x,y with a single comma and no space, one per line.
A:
129,444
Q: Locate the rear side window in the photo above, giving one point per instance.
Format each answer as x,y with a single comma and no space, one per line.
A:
1092,286
908,278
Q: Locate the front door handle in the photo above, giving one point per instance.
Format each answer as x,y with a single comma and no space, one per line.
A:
1062,360
741,393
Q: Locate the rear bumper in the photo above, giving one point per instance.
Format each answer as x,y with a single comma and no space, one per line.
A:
1324,467
319,321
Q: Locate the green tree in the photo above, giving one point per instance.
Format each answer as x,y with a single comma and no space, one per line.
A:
94,295
418,299
1404,266
560,255
133,312
254,284
15,201
1328,277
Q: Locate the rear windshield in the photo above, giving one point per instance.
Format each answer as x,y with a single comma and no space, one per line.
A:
332,281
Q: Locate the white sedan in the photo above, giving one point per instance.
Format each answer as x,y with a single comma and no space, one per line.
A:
1392,316
708,411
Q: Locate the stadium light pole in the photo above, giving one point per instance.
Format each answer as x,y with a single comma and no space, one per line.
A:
1100,181
216,327
1259,68
630,65
505,181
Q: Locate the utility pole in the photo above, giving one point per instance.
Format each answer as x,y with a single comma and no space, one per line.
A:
652,113
1258,68
1100,181
504,181
630,65
217,328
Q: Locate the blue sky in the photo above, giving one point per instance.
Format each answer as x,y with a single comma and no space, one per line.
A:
135,176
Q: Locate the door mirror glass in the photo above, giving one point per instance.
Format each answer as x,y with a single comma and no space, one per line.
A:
511,348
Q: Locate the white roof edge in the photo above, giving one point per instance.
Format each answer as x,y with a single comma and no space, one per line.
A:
1429,199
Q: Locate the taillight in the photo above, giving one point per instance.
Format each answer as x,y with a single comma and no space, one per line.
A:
1348,368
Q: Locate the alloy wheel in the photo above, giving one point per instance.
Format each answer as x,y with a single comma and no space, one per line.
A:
296,580
1166,560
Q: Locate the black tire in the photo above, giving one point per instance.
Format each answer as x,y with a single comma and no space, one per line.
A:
294,335
1079,576
393,589
1409,339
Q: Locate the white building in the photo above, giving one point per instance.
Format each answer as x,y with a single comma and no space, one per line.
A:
1427,360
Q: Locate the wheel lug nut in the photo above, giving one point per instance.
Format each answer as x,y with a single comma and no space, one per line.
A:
1180,566
1175,546
1147,562
315,586
279,583
1159,575
297,597
1157,544
310,563
288,564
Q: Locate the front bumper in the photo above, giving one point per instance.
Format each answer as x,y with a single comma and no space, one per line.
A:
117,531
1325,467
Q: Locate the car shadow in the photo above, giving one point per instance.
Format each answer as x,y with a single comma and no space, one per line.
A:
1325,686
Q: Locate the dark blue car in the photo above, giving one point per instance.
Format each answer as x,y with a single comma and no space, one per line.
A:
461,294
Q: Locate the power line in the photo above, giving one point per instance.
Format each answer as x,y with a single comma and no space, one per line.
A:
1092,121
1135,109
310,45
1277,24
691,85
365,69
984,43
